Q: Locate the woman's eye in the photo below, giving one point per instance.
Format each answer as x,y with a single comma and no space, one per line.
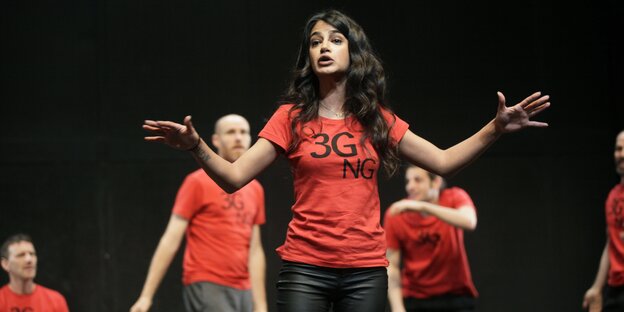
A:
314,43
337,40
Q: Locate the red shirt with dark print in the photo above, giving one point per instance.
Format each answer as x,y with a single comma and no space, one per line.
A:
41,300
219,230
432,251
614,207
336,214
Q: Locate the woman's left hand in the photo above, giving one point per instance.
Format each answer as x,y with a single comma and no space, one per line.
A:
514,118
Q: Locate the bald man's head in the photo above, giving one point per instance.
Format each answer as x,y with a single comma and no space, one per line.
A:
231,136
223,121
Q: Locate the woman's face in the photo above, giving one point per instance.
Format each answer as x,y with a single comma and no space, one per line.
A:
329,50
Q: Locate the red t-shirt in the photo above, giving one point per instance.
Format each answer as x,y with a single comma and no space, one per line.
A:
336,211
432,251
41,300
614,208
219,230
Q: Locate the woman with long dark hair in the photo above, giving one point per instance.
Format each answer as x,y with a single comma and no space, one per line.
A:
336,131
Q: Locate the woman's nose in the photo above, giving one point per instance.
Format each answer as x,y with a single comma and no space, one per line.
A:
325,46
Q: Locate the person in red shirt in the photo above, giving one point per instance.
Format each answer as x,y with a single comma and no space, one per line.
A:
611,267
424,232
337,132
19,260
224,262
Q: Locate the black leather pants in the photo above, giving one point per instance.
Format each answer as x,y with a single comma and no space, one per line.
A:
308,288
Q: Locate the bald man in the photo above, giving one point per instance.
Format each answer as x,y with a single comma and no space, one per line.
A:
611,268
224,263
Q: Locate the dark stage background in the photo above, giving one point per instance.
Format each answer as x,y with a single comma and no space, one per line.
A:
79,77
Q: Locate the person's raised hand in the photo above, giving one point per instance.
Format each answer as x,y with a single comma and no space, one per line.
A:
179,136
517,117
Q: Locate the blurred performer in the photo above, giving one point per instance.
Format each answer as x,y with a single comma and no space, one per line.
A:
19,260
611,268
425,233
224,257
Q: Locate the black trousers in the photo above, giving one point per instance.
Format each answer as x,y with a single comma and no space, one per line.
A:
613,299
308,288
444,303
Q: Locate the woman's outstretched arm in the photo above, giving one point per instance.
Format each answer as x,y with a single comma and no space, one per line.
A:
229,176
447,162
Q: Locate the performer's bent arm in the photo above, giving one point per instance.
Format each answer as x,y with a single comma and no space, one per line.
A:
395,296
593,296
447,162
165,252
463,217
229,176
257,267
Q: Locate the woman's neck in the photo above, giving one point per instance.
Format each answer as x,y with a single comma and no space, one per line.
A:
332,95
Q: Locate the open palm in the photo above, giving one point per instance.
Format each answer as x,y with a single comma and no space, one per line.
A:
514,118
178,136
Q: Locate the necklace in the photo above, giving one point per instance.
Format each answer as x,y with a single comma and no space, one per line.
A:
339,115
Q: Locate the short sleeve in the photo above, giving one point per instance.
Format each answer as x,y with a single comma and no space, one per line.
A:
389,226
398,127
278,128
461,198
62,304
188,199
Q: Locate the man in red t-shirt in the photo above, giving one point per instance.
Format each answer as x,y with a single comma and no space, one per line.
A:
224,263
611,268
22,294
425,233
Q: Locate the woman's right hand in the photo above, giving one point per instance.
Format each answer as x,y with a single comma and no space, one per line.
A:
182,137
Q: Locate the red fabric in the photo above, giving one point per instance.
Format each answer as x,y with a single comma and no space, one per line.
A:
41,300
614,208
219,230
432,251
336,211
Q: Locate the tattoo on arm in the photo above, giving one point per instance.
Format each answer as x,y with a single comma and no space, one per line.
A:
202,155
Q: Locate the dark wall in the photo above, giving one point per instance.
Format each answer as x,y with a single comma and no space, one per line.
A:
79,77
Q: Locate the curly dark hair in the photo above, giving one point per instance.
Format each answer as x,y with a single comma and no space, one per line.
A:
365,89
